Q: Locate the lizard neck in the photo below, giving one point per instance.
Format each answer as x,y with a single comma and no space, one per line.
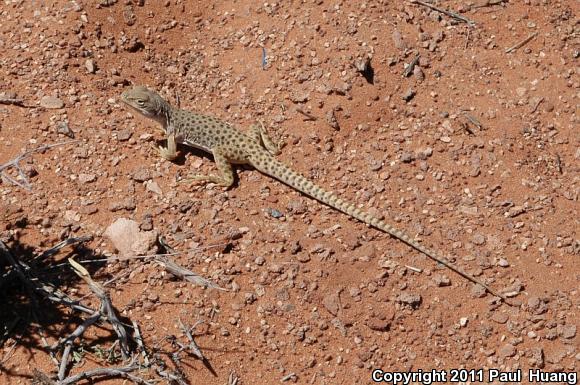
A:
163,114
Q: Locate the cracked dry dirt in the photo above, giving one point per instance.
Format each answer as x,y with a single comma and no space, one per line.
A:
476,153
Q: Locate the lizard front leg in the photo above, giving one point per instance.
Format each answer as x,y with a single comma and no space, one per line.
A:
169,152
226,172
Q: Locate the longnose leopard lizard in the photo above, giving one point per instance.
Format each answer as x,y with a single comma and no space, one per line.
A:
230,146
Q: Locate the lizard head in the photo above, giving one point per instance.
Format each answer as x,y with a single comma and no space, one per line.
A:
145,101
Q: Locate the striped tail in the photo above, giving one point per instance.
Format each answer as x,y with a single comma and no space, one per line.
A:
272,167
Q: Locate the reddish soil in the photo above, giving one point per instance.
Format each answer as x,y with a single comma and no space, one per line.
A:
480,161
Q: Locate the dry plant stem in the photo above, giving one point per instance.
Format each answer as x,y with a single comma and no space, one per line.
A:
444,11
192,345
68,342
70,241
13,101
14,163
107,373
106,306
185,274
521,43
309,116
139,339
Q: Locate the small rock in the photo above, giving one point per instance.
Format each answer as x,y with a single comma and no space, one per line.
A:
142,175
463,321
414,300
445,139
378,325
63,128
331,120
478,291
51,102
567,331
478,239
90,66
503,262
152,186
441,280
500,318
507,350
129,240
300,97
398,40
274,213
332,303
124,135
87,178
408,95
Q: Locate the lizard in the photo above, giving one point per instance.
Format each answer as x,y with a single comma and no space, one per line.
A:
230,146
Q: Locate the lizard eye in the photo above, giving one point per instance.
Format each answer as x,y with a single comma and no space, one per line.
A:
140,102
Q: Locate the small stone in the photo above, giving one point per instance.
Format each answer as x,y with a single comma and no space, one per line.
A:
332,303
129,240
408,95
507,350
441,280
378,325
274,213
300,97
87,178
478,291
445,139
567,331
398,40
478,239
521,91
124,135
503,262
63,128
51,102
500,318
414,300
90,66
463,321
152,186
142,175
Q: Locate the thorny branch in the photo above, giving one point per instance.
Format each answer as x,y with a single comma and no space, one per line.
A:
15,164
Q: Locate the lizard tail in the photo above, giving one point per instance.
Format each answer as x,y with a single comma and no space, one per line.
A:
272,167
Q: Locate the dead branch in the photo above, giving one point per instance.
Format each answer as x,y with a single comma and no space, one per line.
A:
454,15
15,164
106,306
100,373
521,43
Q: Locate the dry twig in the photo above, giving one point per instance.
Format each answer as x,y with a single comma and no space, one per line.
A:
454,15
15,163
521,43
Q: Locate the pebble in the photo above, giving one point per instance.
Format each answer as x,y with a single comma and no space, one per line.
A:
503,262
87,178
506,351
408,95
51,102
90,66
129,240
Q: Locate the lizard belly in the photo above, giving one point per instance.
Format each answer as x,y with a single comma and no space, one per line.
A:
196,145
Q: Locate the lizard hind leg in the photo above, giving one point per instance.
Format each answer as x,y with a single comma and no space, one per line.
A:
260,135
226,172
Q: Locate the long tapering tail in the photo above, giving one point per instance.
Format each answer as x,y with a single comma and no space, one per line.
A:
272,167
